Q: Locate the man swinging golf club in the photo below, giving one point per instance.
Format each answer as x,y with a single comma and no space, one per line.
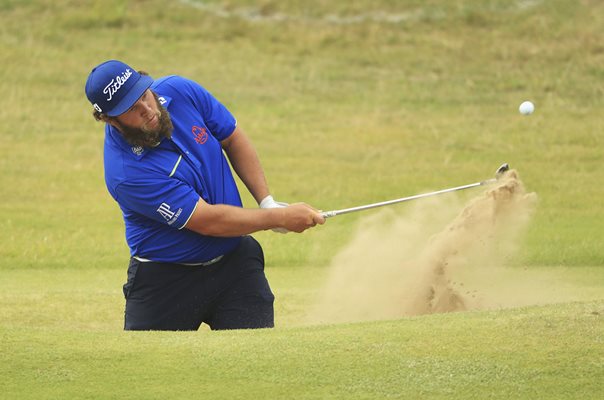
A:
192,260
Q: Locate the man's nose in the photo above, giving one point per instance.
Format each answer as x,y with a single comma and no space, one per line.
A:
146,110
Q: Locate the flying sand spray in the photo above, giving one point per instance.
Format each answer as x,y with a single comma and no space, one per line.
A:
433,259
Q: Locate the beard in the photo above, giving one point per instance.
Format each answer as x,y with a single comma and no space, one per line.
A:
149,137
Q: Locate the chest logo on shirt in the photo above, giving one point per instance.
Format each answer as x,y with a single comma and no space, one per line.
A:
200,134
138,150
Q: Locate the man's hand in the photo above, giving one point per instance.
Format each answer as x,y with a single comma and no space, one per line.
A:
269,202
300,216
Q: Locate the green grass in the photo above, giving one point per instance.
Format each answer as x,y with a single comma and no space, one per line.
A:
376,360
345,108
63,340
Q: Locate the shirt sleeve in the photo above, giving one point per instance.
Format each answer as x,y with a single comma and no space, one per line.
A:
217,117
164,200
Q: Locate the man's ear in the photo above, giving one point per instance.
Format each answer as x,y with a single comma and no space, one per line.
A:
110,120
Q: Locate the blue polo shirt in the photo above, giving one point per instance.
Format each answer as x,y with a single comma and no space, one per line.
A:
157,189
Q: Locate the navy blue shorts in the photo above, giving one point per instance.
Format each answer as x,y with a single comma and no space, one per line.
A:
233,293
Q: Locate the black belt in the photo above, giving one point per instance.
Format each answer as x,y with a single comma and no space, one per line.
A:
202,264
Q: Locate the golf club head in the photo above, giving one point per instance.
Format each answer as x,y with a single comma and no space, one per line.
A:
502,170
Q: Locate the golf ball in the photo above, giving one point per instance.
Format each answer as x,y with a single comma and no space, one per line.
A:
526,108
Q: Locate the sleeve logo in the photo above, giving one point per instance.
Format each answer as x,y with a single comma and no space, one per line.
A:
169,215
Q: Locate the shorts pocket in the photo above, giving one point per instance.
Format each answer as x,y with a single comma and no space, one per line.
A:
132,269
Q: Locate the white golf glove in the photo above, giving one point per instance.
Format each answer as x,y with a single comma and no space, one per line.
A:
269,202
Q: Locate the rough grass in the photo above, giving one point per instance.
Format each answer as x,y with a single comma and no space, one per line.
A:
342,114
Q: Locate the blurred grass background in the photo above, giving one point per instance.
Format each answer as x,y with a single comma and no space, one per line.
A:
347,102
345,107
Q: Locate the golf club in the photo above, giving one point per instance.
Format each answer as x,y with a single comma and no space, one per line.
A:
500,171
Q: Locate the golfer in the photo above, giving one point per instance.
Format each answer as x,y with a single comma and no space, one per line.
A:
192,259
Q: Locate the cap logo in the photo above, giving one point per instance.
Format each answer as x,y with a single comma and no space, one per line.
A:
116,84
115,87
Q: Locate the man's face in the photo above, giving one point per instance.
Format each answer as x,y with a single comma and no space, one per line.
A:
145,123
143,115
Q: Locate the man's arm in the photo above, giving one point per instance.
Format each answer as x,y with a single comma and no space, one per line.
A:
229,221
245,162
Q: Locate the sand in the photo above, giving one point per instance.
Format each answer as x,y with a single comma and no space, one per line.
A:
437,255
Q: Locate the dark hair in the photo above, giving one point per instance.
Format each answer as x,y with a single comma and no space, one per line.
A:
99,116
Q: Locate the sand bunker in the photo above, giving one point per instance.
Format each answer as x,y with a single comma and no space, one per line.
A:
428,260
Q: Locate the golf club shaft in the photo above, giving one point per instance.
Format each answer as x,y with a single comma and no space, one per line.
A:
328,214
